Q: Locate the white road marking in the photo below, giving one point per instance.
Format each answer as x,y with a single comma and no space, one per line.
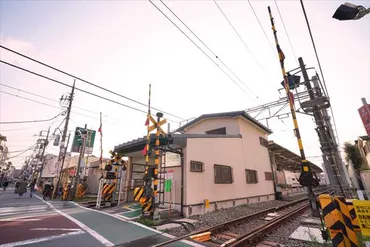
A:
38,240
20,219
55,229
140,225
22,208
93,233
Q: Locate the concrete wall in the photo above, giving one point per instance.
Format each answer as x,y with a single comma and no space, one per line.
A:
365,177
230,152
231,125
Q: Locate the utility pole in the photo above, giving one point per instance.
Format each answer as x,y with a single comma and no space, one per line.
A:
46,142
81,156
315,105
63,148
56,188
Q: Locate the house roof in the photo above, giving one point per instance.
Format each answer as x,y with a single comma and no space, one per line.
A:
287,160
231,114
175,140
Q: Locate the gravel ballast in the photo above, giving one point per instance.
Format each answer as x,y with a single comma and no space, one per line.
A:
226,214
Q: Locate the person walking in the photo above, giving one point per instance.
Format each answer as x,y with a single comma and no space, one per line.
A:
5,183
32,187
22,188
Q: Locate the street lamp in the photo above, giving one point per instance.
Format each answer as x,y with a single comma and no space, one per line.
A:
349,11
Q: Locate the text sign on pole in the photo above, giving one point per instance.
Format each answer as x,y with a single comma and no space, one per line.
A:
77,140
362,209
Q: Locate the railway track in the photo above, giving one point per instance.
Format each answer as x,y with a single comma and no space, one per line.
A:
223,235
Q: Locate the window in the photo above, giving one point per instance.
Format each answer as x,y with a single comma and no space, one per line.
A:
223,174
268,176
264,142
220,131
196,166
251,175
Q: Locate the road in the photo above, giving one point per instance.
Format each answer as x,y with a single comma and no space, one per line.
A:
26,221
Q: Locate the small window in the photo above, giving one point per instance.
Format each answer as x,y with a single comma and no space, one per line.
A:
264,142
251,175
220,131
223,174
268,176
196,166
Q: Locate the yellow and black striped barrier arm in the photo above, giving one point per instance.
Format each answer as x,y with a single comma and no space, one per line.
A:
108,191
138,192
306,178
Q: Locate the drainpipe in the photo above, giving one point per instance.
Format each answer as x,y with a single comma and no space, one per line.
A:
182,183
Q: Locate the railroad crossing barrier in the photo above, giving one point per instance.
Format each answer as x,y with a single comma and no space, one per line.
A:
66,190
108,190
340,220
81,190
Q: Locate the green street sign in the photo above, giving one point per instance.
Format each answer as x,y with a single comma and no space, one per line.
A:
77,140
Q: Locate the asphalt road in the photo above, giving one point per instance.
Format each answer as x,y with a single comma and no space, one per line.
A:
26,221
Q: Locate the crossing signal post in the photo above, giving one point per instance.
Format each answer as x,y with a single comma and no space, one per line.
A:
307,177
148,194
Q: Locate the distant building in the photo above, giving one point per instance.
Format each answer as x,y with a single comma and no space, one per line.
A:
364,112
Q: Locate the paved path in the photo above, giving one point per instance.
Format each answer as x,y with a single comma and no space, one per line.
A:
26,221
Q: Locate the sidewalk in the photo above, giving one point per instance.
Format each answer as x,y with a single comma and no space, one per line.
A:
118,230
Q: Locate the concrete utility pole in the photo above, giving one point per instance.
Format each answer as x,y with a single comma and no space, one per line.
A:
46,142
315,105
82,154
56,188
63,148
331,153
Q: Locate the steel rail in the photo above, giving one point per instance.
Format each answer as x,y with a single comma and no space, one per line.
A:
224,225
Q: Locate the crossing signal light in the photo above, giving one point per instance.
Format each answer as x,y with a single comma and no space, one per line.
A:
108,167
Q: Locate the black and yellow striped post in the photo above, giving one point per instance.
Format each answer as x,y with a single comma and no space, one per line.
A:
332,221
354,219
350,236
306,178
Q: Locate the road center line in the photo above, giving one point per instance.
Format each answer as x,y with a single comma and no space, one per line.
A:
93,233
38,240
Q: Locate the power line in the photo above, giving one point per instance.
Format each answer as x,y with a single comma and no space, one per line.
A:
46,105
85,81
22,152
39,102
209,49
263,30
81,90
286,32
318,61
233,80
240,37
32,121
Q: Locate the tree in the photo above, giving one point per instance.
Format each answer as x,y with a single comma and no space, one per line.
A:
353,154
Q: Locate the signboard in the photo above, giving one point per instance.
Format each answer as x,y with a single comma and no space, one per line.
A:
362,209
77,140
172,159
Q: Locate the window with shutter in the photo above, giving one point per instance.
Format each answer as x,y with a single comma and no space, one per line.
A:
196,166
251,176
223,174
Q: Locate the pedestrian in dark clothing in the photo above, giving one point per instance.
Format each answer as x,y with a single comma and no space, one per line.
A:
32,187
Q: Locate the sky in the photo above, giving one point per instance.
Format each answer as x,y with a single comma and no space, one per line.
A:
126,45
